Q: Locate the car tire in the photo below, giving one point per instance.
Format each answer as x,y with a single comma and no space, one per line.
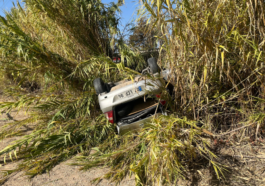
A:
152,63
99,86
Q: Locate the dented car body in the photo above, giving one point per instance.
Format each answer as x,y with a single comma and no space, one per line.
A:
131,103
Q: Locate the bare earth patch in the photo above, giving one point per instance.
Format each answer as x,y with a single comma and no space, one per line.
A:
64,174
61,174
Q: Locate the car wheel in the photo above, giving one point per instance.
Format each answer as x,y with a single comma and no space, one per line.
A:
153,65
99,86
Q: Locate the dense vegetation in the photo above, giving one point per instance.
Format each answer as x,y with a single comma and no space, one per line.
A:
52,50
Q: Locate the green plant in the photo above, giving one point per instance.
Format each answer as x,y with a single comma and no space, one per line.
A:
159,154
59,47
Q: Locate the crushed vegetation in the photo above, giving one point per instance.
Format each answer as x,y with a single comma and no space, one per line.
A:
52,50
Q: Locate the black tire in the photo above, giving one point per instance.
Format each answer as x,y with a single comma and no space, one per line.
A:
153,65
99,86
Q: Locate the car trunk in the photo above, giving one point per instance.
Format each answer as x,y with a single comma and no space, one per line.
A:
139,110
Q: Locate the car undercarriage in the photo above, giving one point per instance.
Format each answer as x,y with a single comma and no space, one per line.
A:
131,103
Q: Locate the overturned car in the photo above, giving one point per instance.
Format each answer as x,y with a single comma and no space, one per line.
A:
126,102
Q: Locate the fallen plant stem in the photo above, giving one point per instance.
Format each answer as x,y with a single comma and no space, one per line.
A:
251,157
257,130
235,130
217,135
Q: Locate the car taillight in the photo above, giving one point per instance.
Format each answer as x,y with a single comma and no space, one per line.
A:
109,116
163,102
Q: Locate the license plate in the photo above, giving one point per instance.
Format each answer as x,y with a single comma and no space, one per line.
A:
129,93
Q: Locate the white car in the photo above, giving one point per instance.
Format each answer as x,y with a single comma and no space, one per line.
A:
126,102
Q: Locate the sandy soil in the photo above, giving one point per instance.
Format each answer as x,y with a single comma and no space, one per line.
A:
62,174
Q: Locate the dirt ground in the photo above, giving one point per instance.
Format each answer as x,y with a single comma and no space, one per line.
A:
242,168
62,174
